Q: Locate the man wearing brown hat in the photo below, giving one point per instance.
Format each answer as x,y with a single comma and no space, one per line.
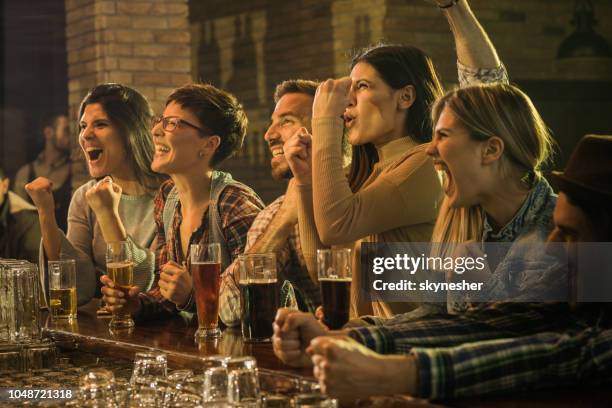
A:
576,352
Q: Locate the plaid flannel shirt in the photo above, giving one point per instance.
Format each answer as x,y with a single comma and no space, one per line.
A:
237,207
290,265
499,348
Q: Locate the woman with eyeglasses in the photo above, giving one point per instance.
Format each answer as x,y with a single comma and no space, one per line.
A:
200,128
117,205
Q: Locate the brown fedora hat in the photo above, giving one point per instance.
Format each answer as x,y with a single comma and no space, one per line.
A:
588,174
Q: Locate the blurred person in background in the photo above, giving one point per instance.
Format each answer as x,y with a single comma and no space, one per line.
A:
19,229
52,163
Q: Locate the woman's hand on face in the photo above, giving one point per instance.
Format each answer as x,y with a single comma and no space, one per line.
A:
116,300
40,191
298,152
331,98
175,283
104,197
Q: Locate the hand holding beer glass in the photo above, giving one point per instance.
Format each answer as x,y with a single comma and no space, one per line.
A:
62,289
258,296
120,269
205,269
335,274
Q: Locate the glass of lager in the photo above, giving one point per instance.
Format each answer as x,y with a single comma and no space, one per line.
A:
335,274
62,289
120,268
258,296
205,269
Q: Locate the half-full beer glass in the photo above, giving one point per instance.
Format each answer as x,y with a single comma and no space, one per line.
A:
120,269
62,289
335,275
205,268
258,296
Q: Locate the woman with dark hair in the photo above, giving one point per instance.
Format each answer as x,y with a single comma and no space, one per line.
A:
392,192
114,123
200,128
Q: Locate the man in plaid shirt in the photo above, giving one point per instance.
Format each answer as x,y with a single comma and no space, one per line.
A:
496,348
276,227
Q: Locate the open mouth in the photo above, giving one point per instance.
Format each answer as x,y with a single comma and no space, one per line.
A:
94,153
277,150
161,149
445,176
348,120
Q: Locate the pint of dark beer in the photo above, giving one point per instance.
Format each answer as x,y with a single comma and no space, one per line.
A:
258,296
335,274
120,268
205,269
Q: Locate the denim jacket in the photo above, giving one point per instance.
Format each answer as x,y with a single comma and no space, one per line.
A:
525,272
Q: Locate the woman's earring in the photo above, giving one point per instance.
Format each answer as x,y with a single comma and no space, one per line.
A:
201,153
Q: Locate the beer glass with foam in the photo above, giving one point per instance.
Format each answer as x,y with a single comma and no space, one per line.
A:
205,269
62,289
258,296
335,274
120,268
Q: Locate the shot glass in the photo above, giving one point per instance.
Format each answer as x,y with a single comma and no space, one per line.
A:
243,387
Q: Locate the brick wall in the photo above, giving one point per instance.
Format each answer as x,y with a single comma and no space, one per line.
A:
143,44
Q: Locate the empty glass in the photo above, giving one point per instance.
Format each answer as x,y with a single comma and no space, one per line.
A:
148,365
62,289
97,389
243,387
215,384
236,363
19,302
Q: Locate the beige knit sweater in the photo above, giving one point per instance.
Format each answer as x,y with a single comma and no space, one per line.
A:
397,203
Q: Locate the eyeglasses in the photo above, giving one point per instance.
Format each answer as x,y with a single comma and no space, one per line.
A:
170,123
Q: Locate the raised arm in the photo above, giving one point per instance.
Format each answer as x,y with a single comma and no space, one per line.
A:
474,48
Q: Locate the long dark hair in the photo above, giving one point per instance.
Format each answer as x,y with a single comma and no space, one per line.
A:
398,66
131,113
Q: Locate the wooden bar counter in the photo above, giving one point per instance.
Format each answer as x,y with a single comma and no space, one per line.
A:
176,338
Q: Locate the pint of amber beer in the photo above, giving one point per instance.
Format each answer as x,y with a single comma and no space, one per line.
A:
205,269
120,268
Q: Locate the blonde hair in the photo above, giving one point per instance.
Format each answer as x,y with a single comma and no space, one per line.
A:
485,111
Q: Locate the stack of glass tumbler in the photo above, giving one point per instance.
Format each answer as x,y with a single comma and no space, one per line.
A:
225,382
21,345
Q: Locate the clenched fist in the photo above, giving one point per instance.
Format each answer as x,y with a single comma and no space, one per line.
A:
331,98
175,283
104,197
298,153
40,190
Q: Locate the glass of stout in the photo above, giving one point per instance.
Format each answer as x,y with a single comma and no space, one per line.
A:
258,296
205,269
120,268
335,274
